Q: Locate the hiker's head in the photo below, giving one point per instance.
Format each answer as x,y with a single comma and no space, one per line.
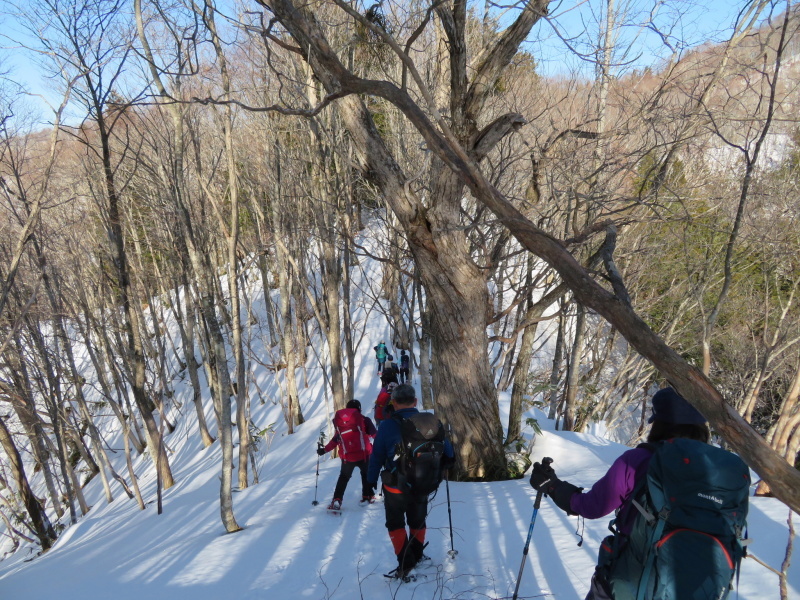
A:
673,416
402,352
404,396
354,404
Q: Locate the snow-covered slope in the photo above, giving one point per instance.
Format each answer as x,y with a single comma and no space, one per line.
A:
292,549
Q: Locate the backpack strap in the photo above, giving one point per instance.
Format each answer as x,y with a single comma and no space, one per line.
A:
656,532
339,432
655,535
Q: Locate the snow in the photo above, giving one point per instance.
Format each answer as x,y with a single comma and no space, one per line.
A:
289,548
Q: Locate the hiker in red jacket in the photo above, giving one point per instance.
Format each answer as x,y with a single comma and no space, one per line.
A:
389,382
353,437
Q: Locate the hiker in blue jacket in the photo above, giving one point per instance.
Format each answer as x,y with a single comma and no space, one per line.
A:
404,366
401,506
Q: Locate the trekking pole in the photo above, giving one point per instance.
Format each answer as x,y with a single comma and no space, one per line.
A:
452,552
546,463
316,482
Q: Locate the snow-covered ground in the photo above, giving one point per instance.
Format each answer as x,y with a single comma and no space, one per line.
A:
290,548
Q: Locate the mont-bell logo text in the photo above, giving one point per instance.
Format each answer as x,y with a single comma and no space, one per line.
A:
710,497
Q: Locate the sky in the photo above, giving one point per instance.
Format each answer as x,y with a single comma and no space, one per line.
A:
648,31
291,548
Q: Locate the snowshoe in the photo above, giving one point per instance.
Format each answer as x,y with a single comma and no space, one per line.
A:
403,574
335,507
367,500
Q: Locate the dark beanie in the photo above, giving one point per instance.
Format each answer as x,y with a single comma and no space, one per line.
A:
354,404
671,407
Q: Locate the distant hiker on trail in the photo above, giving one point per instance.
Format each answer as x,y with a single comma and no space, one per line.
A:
380,355
391,365
409,480
675,493
353,437
389,382
404,364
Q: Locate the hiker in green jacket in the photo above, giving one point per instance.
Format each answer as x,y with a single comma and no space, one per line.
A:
380,355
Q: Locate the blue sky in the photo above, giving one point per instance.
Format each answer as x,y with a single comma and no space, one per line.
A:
571,29
648,31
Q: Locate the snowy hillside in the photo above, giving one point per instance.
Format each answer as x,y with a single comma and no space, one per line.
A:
292,549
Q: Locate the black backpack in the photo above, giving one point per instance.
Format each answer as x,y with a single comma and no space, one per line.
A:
421,453
404,361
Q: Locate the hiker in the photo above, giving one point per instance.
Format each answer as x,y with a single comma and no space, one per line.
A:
380,355
383,406
354,434
678,438
406,485
404,363
391,365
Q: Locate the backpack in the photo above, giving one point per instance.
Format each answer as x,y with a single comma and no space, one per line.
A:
383,404
687,537
354,444
404,361
420,454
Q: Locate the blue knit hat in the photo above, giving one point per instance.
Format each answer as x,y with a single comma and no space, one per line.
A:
671,407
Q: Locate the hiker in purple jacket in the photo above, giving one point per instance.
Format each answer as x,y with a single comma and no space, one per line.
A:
672,417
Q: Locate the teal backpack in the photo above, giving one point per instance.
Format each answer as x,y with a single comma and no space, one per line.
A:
687,540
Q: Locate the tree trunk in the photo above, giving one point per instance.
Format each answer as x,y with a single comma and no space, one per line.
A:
574,371
532,316
25,407
41,524
186,328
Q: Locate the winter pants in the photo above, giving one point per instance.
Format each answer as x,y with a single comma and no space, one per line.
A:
599,589
347,472
403,375
402,508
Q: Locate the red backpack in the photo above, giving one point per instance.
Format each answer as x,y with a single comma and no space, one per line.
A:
384,400
354,444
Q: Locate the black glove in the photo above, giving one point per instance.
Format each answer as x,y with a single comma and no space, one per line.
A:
543,479
320,450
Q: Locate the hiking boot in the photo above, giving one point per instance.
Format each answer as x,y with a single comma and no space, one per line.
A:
336,504
415,548
406,560
370,499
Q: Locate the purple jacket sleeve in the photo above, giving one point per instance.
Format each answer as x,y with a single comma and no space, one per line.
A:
611,490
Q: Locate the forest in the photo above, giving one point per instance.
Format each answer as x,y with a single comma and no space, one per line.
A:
636,226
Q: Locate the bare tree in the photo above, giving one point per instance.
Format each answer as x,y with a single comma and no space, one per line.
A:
612,305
